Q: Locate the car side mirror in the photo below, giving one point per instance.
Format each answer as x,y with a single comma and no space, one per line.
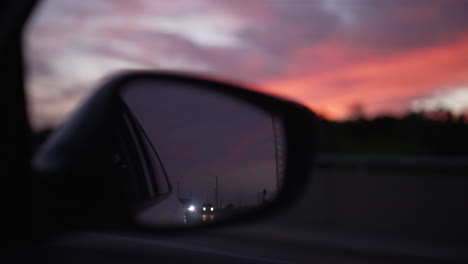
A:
165,150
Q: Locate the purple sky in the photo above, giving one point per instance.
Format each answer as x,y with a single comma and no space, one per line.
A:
389,56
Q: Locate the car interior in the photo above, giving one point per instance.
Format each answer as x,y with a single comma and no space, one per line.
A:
169,164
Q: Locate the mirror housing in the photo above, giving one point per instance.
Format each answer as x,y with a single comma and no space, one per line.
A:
80,183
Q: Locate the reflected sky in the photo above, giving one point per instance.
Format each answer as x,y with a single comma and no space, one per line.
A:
200,135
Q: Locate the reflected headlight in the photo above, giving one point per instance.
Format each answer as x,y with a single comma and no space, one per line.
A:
191,208
212,209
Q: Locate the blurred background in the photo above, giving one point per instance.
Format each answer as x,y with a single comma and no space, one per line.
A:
389,80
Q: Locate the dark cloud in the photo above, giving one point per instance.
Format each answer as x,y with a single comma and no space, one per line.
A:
395,26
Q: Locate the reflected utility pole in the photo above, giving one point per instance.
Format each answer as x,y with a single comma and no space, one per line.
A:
216,193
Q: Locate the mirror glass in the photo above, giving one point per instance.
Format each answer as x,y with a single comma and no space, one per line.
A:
207,155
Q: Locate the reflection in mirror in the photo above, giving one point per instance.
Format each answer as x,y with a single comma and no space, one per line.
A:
220,155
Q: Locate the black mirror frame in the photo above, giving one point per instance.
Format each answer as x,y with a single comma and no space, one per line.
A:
82,138
299,124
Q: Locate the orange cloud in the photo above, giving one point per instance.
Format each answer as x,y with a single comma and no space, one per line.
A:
377,83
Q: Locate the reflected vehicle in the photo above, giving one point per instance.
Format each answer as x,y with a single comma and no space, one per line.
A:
208,209
208,213
192,215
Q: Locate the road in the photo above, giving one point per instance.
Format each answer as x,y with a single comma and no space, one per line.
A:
357,214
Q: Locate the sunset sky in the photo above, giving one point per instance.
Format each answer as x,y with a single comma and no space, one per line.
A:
390,56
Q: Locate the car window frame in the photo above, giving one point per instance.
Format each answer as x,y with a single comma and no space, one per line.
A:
148,158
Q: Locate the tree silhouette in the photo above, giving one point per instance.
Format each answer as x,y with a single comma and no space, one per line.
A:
423,133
